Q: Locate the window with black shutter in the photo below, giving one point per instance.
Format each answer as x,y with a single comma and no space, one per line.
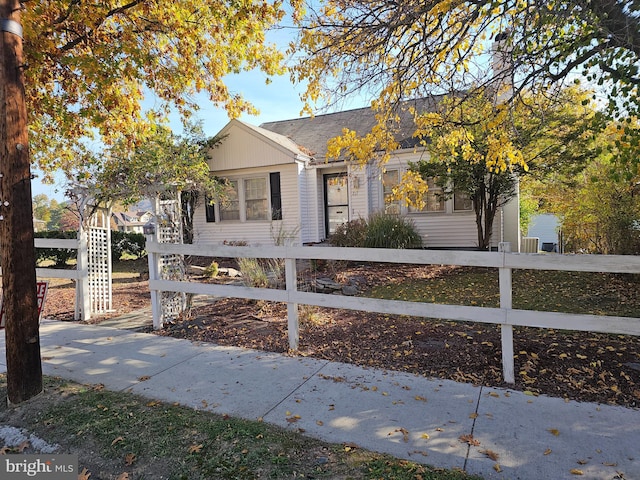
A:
209,210
276,196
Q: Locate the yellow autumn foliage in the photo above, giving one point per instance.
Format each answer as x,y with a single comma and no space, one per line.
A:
93,64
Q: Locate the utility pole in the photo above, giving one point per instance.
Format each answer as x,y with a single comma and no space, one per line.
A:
17,255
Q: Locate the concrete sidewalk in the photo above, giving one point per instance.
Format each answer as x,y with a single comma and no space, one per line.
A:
405,415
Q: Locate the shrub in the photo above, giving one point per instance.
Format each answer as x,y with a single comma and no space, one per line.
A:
59,256
212,270
391,231
261,274
350,234
127,242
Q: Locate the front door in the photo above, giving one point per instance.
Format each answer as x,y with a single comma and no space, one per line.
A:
336,195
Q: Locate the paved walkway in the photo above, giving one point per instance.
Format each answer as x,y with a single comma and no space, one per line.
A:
408,416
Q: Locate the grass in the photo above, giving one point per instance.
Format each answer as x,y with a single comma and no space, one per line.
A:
556,291
115,433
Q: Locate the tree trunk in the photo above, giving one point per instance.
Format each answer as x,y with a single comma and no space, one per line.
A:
17,254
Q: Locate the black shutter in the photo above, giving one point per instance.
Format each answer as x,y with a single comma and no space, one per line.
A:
276,196
209,210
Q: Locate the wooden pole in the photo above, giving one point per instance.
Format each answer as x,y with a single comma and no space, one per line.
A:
17,255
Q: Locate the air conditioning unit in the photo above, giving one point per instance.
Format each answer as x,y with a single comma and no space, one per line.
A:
529,245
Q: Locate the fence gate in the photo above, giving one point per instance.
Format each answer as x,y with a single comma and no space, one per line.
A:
170,267
94,295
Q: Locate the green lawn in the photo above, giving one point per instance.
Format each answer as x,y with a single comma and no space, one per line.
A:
557,291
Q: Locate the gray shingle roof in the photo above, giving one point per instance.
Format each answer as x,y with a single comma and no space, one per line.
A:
312,133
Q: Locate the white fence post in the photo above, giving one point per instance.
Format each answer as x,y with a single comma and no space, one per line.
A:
83,295
506,303
293,327
154,274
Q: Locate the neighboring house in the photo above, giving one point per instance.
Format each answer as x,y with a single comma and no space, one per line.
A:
282,185
546,227
39,225
132,222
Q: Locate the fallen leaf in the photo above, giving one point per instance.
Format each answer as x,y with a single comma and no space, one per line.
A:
575,471
4,450
582,462
195,448
116,440
553,431
420,398
153,403
609,464
473,415
144,378
84,474
469,439
547,451
490,453
129,458
319,423
23,446
405,433
425,436
497,467
123,476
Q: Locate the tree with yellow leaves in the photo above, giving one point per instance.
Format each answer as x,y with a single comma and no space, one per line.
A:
392,52
91,65
478,150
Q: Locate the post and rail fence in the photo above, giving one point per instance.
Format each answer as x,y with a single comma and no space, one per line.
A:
505,316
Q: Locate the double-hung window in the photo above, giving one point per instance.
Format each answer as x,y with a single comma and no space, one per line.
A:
461,201
255,199
390,180
230,206
434,200
248,199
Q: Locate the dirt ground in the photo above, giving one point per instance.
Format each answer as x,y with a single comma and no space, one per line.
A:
574,365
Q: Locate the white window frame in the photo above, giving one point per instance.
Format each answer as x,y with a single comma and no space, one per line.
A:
242,200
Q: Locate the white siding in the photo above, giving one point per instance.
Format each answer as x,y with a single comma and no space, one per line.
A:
358,193
544,226
243,147
256,232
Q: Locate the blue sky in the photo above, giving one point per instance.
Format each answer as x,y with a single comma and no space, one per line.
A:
280,100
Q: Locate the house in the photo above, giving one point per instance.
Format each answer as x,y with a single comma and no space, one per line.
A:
281,184
39,225
546,228
132,222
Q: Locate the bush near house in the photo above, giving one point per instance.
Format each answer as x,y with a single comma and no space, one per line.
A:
381,230
127,242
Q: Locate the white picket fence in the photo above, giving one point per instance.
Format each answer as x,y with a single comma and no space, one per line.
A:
505,316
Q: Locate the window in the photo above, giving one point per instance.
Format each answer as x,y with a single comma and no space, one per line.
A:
230,207
255,194
461,201
390,179
434,198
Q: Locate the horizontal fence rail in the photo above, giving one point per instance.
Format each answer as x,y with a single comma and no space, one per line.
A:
69,244
82,308
504,261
